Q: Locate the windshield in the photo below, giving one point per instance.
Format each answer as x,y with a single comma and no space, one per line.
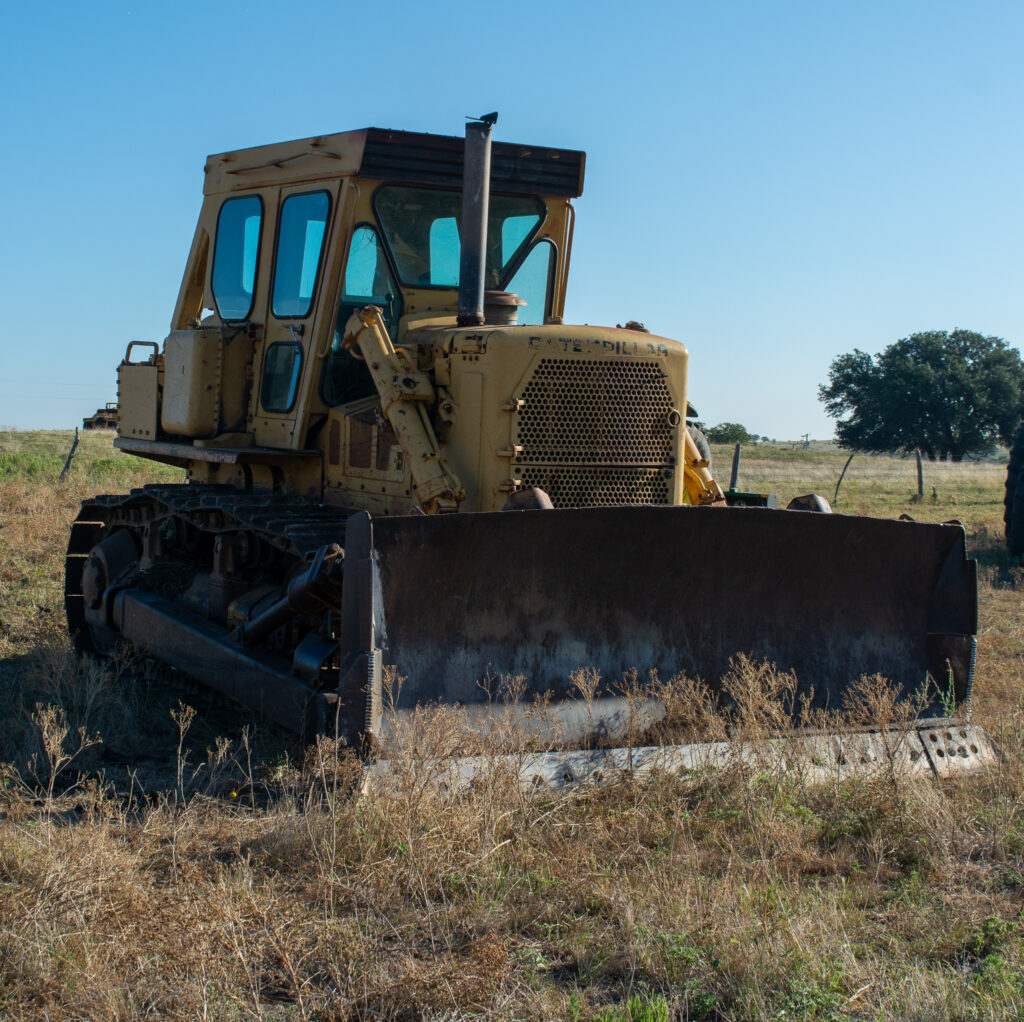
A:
421,227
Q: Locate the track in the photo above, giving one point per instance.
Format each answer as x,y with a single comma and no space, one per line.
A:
179,530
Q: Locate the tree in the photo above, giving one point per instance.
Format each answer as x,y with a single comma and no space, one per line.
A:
949,394
730,433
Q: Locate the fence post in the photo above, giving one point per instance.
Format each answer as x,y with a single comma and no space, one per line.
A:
835,497
735,474
67,464
920,477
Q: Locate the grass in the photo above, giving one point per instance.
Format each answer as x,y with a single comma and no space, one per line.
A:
873,485
157,862
38,456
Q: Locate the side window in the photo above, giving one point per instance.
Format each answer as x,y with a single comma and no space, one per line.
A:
235,256
281,367
368,281
300,242
532,282
368,278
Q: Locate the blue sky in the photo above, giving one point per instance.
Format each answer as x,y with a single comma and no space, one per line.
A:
773,184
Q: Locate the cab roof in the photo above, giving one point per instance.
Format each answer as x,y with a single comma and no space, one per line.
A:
386,155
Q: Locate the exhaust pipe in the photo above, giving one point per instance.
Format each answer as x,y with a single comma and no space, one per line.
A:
476,192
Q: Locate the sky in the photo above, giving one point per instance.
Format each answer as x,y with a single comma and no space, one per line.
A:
774,184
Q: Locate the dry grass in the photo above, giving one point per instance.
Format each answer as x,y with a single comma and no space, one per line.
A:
873,484
190,868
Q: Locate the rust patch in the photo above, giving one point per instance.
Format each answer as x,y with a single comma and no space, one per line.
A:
360,445
334,443
386,439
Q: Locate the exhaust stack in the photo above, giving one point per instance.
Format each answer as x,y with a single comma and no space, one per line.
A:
476,191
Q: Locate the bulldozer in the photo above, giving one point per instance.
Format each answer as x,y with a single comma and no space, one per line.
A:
102,418
402,462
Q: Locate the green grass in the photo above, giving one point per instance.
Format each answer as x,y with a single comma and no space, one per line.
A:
39,456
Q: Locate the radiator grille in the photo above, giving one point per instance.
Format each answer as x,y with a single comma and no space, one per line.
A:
597,487
604,412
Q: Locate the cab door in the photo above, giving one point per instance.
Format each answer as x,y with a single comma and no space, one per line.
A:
284,371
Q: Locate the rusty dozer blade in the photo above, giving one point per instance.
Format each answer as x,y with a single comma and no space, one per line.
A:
448,601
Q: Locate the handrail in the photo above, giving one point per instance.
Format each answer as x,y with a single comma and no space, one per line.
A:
144,344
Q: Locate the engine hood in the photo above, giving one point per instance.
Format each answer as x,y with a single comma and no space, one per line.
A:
555,340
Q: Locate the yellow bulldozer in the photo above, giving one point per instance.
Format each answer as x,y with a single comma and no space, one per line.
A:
401,460
102,418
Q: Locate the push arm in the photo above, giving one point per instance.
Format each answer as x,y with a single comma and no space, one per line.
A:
700,485
405,394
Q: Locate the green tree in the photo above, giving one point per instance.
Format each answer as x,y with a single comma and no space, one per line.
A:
730,433
949,394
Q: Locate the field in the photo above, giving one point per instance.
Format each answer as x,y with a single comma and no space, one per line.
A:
161,857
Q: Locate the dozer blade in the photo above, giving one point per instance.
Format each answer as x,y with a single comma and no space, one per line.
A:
450,600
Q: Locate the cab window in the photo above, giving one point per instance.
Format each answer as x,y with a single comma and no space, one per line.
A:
444,252
281,367
532,282
235,256
300,242
368,281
